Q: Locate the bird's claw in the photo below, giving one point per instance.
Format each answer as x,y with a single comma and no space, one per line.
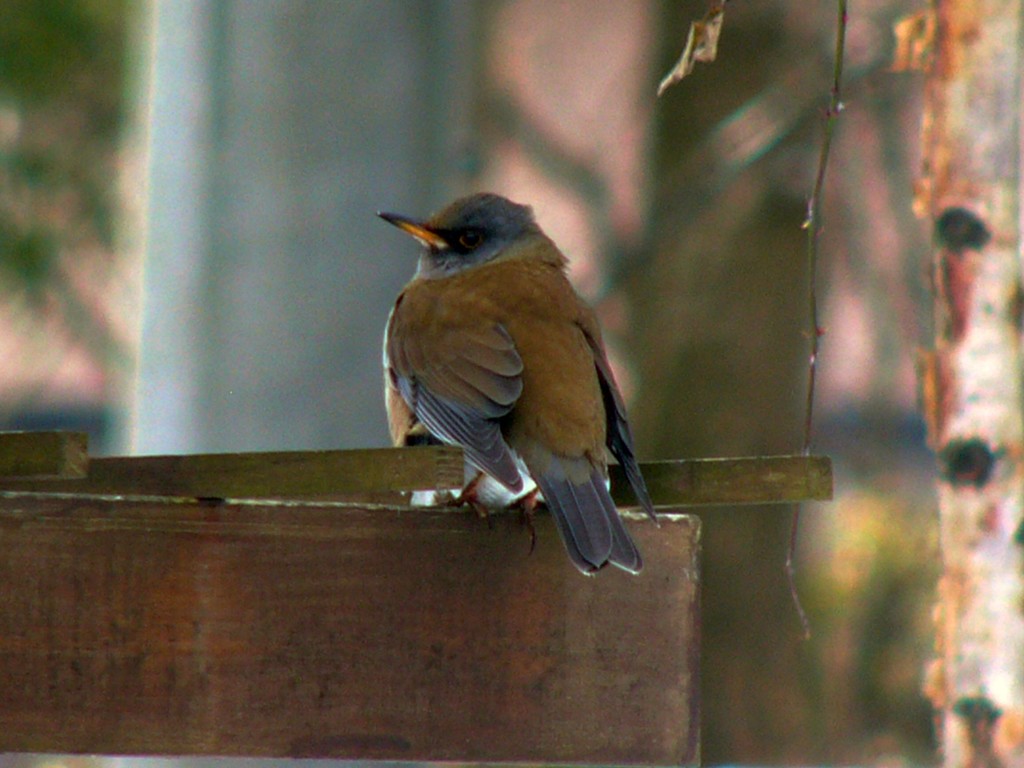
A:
467,497
527,503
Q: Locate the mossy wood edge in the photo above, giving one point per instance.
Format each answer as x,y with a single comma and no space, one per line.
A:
56,462
43,454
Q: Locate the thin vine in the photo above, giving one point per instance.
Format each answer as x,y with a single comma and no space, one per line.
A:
812,223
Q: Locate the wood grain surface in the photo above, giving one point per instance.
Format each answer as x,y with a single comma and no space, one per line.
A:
331,630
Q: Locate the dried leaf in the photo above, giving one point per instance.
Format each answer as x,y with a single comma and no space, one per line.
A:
915,35
701,44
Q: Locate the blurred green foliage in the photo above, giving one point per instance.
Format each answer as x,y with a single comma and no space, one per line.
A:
63,71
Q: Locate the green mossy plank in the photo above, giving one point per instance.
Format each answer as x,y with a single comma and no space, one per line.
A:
43,454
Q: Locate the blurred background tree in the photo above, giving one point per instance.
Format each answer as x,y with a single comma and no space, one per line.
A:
65,309
725,269
275,128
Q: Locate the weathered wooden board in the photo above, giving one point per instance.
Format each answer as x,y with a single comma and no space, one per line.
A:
271,474
382,474
325,630
43,454
746,480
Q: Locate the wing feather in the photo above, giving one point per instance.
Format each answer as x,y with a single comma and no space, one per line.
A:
619,436
460,384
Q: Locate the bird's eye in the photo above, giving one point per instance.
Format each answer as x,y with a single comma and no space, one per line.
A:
470,239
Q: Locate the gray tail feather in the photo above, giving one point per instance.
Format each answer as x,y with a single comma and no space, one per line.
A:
624,553
589,523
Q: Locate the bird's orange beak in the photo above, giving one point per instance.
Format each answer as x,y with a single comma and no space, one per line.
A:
417,229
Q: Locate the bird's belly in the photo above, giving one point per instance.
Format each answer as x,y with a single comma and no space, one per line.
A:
488,492
494,495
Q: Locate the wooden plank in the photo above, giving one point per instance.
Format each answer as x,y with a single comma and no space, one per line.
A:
330,630
284,474
377,474
43,454
751,480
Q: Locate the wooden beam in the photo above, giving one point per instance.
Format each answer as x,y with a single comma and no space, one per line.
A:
752,480
382,474
43,455
345,631
269,475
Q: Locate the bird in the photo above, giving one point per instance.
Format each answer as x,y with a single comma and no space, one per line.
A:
489,347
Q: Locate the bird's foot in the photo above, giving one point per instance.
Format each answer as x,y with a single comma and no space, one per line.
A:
468,497
526,504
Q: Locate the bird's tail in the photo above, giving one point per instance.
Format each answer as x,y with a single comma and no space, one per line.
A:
586,517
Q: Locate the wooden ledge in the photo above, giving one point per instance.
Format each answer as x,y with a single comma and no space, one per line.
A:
344,631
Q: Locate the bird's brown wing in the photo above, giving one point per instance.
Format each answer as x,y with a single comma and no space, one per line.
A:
459,382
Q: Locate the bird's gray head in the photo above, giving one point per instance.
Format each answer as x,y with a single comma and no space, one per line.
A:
473,230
